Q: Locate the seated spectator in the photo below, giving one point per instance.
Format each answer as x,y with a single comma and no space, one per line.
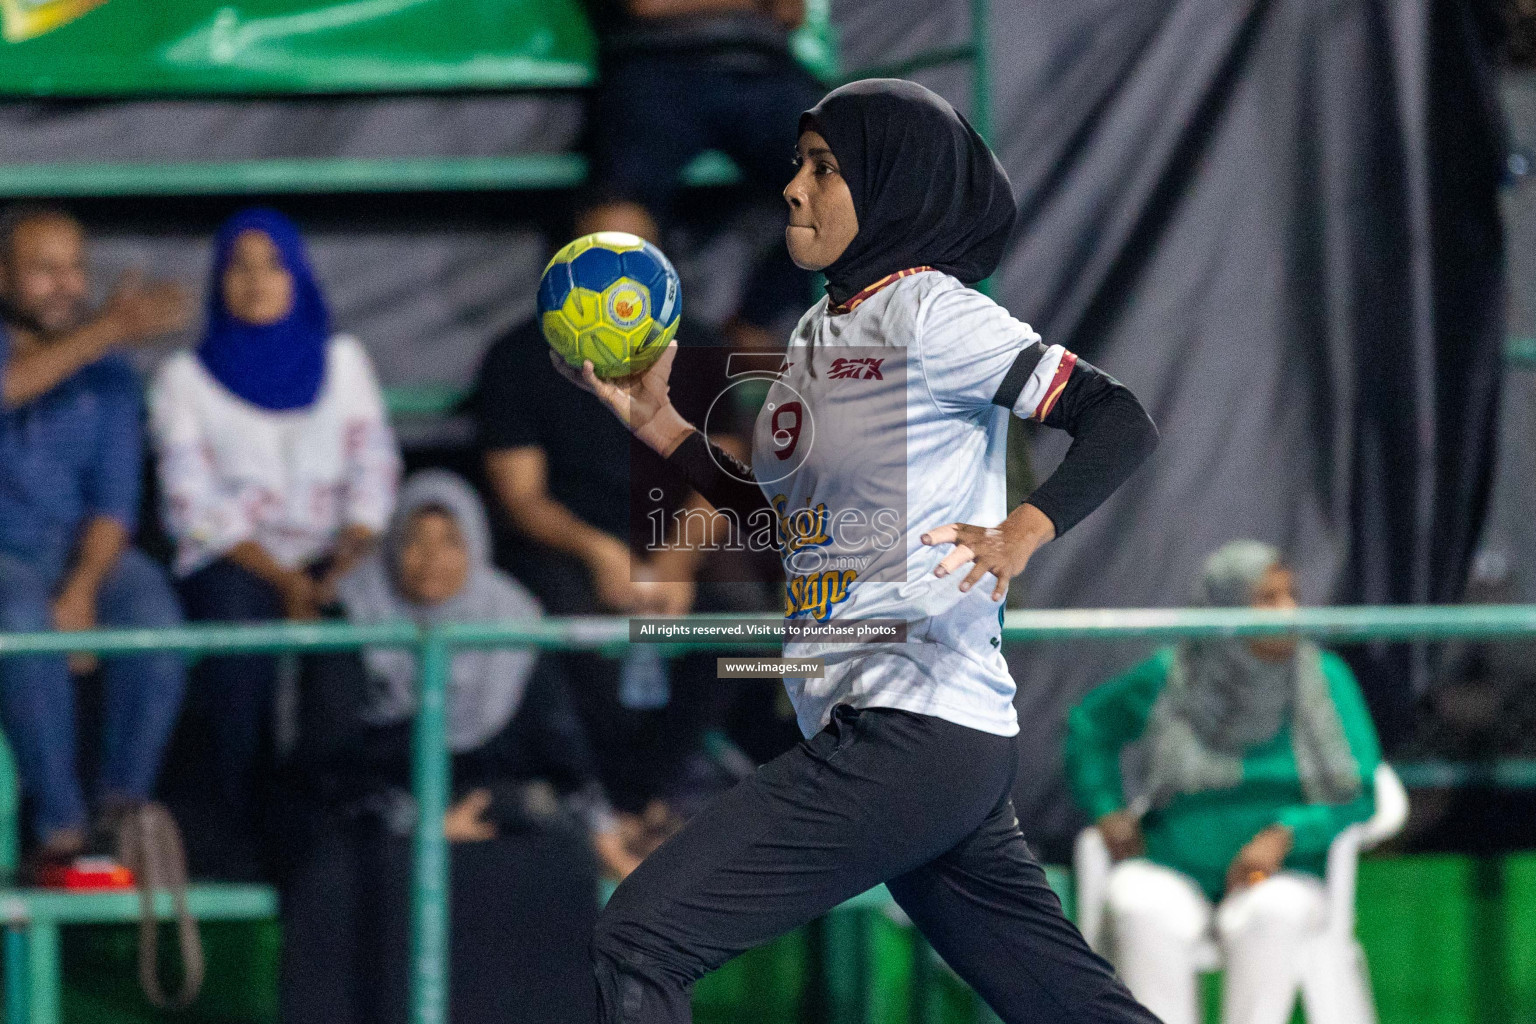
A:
678,77
436,567
70,457
1258,754
580,497
277,469
525,795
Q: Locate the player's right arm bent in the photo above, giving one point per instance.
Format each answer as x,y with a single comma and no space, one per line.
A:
642,402
1111,436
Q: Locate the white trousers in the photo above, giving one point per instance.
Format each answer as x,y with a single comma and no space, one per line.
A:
1158,919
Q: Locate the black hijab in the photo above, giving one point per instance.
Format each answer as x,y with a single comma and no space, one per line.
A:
927,190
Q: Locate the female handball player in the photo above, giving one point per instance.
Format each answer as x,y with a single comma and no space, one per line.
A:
879,459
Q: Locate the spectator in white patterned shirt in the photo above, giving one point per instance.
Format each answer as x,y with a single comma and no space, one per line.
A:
278,469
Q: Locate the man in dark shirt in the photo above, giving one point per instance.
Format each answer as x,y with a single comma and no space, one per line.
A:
582,506
577,484
70,459
579,487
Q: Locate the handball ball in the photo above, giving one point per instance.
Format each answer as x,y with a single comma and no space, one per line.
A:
610,297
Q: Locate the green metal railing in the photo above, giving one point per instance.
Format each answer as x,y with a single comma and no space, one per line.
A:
435,646
310,175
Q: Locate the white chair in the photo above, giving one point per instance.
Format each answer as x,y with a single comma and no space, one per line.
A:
1334,982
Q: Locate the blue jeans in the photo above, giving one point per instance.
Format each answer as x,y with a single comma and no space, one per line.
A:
37,696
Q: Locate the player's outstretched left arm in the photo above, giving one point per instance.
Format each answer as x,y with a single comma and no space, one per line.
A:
1111,436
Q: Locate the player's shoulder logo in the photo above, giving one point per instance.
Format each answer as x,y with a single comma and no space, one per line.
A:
856,369
626,305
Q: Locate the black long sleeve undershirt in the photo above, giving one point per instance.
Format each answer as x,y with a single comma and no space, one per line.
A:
700,463
1111,436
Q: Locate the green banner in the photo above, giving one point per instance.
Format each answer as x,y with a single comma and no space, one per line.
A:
234,47
115,47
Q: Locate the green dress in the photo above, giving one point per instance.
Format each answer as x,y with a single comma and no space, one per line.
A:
1199,833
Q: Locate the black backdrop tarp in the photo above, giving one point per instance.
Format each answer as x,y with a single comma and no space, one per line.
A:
1277,221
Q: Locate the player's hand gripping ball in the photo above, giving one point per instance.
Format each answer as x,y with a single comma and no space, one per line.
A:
613,298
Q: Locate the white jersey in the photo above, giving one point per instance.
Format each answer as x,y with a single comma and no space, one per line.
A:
882,426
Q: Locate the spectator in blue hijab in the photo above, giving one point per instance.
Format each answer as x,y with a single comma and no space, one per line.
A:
272,352
278,469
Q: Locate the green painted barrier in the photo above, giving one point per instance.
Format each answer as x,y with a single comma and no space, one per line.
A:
430,777
310,175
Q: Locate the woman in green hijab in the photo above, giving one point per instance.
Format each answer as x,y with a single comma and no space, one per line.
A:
1256,755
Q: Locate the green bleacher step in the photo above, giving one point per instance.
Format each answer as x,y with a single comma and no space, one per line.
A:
309,175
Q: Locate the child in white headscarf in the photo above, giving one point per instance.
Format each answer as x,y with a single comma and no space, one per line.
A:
435,566
526,795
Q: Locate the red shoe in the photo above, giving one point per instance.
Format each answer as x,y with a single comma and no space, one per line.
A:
85,874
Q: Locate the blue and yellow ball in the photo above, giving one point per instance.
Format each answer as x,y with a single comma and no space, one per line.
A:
613,298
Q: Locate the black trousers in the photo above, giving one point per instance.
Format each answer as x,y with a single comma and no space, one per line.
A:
878,796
